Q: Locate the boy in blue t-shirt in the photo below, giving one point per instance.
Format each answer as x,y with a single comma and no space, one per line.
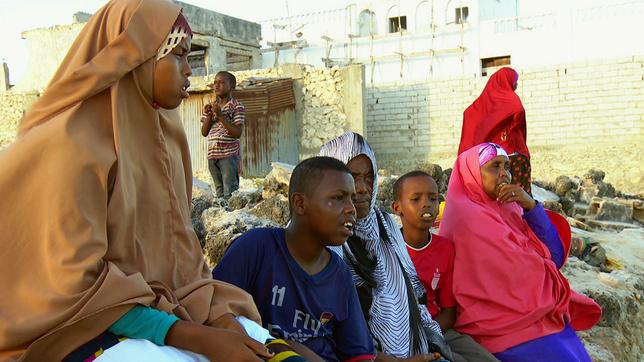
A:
304,292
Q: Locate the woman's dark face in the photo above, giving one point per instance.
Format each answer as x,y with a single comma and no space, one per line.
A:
494,174
171,76
363,176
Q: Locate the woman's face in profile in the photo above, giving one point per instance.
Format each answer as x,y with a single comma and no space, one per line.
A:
171,74
495,174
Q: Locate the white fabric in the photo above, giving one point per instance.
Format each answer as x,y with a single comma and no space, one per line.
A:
254,330
389,320
141,350
175,36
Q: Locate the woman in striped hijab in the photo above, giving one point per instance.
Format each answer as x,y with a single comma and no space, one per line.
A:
383,273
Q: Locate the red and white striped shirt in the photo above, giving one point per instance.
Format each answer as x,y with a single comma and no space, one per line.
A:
220,143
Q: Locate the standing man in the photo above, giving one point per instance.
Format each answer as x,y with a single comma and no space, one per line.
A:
223,122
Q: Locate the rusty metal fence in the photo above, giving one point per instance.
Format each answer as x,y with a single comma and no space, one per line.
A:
270,133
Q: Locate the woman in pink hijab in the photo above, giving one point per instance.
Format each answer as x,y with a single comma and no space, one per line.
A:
511,296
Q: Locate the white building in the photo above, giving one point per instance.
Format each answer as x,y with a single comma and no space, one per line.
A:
414,40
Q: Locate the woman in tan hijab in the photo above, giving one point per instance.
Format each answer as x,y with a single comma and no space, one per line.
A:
96,200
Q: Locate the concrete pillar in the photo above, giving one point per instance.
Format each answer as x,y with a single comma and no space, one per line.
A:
216,55
353,94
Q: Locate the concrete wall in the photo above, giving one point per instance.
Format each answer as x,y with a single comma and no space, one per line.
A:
575,112
205,21
547,32
217,49
222,34
352,97
47,48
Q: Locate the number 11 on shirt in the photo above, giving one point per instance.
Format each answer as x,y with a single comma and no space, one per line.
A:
278,293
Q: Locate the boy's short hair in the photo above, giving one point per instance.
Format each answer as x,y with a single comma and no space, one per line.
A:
229,77
399,183
308,174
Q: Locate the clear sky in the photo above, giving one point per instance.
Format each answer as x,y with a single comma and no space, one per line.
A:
17,16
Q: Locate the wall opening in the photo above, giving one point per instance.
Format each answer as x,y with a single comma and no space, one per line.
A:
397,24
424,17
461,15
197,60
237,60
491,65
367,23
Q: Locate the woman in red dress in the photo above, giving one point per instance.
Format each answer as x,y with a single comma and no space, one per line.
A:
497,116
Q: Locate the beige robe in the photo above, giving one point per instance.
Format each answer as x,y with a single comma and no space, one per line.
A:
95,198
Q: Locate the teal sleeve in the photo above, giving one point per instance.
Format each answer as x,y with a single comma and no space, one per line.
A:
143,322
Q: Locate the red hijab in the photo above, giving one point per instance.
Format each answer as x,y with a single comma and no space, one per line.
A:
507,288
497,115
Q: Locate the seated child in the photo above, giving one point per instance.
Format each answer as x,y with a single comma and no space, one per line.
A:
416,201
303,291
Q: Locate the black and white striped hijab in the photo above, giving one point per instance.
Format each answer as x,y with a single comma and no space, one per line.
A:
390,313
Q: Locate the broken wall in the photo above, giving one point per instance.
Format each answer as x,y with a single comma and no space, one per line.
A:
329,101
579,116
47,47
227,43
232,43
12,108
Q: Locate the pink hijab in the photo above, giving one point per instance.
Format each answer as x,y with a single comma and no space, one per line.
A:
508,290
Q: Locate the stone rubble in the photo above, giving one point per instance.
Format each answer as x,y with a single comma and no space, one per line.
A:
618,336
12,109
594,203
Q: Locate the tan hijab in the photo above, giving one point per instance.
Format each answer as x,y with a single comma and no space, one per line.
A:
95,198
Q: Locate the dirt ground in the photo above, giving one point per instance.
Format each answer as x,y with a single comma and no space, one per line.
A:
622,161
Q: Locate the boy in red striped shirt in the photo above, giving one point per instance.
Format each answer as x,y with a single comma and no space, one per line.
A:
223,123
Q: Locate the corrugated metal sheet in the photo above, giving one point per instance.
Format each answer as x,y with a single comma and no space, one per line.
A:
270,133
191,117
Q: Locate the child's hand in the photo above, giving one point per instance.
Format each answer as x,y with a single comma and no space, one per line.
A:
207,113
514,193
216,110
228,321
215,343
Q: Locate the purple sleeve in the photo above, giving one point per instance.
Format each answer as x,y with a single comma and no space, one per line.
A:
546,231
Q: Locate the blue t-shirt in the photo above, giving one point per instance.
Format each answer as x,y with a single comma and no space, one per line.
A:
321,311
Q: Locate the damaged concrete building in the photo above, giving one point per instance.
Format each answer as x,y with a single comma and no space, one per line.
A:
221,42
